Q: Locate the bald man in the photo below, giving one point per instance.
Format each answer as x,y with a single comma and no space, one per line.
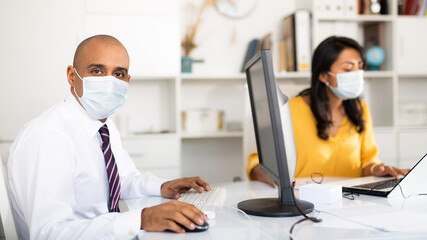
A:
68,170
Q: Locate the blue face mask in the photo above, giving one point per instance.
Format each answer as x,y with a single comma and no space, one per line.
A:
350,85
102,96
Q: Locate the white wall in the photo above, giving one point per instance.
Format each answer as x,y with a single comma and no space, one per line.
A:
222,42
36,45
39,38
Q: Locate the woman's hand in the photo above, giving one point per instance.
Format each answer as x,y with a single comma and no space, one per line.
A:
260,176
381,170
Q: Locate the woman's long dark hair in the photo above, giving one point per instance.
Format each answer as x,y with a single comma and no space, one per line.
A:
323,57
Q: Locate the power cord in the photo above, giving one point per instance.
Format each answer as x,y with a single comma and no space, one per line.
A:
306,218
351,220
255,222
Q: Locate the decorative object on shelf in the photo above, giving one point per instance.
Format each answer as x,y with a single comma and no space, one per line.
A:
188,43
187,64
375,56
375,7
235,8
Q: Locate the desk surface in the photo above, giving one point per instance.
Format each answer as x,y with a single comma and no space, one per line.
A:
231,224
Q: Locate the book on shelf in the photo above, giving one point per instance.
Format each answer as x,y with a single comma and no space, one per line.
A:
421,10
412,7
250,52
296,41
282,56
254,46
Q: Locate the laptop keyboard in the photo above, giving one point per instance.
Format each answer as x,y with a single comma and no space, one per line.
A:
379,185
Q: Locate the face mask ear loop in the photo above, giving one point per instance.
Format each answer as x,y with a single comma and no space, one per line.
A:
75,70
330,74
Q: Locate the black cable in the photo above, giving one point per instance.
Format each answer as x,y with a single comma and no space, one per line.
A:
313,219
401,191
292,228
315,180
349,195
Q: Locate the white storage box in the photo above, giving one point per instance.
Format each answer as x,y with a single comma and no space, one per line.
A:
412,113
202,120
321,193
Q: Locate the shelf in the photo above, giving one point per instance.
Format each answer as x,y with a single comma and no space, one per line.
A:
279,76
224,134
411,17
242,76
150,136
383,129
293,75
378,74
237,76
358,18
416,128
412,75
152,78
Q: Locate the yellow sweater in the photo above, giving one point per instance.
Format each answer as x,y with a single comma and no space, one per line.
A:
342,155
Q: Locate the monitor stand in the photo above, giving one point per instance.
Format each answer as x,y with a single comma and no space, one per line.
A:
284,206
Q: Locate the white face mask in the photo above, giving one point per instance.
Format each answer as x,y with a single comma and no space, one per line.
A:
350,85
102,96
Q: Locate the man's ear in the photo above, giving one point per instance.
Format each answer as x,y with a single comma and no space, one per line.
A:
71,75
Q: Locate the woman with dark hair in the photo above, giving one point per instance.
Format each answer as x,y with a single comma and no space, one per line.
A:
332,126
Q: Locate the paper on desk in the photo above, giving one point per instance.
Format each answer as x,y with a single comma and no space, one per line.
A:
374,216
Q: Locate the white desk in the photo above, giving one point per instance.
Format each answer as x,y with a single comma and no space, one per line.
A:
230,224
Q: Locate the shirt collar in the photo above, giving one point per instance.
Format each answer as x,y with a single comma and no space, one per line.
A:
90,124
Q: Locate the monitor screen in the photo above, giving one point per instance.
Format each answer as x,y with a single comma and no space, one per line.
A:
275,140
263,120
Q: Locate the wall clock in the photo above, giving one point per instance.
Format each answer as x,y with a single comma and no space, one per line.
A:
235,8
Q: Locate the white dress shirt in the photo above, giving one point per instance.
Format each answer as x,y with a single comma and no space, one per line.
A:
59,181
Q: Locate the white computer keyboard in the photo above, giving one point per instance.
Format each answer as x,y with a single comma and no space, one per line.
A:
208,202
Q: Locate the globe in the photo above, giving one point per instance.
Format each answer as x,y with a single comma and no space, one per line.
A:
375,57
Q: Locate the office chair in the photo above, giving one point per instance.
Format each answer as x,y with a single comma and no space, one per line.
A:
5,204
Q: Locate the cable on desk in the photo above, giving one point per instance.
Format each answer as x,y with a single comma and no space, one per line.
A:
349,195
401,191
350,220
256,223
314,179
313,219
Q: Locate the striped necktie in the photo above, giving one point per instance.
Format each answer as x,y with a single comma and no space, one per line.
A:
112,171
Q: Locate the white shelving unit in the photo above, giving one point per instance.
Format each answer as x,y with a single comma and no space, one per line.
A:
396,95
151,120
192,153
386,91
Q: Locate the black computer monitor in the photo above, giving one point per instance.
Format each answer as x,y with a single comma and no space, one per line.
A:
275,140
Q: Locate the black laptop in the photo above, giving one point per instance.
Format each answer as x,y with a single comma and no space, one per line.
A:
415,182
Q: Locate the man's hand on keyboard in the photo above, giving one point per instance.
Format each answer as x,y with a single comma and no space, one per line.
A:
174,188
166,216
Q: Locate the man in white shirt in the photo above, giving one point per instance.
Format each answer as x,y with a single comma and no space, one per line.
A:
67,168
